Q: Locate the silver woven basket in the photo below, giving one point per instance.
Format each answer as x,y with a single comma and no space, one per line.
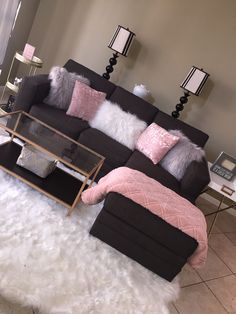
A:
36,161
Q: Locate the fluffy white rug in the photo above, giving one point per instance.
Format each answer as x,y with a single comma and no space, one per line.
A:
51,262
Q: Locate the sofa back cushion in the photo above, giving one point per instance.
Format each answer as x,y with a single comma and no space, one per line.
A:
120,125
62,85
134,104
169,123
85,101
139,161
155,142
96,81
181,155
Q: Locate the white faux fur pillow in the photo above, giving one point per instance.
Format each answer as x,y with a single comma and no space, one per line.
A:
122,126
62,85
181,155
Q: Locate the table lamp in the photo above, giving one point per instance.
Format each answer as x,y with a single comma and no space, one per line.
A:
193,83
120,43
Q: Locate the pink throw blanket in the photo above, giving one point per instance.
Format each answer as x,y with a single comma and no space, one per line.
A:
160,200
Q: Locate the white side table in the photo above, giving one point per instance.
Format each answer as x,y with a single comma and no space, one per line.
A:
226,189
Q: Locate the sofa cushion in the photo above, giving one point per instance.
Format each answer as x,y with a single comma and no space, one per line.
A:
85,101
152,255
181,155
143,236
122,126
155,142
169,123
62,85
115,153
106,168
153,226
59,120
96,81
140,162
134,104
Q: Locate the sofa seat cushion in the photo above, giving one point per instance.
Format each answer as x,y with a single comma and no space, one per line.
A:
58,119
115,153
143,236
134,104
140,162
152,226
106,168
143,250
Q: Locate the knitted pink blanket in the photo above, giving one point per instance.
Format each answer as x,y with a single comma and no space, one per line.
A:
160,200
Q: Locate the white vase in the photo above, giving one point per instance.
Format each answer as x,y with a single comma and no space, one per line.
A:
141,91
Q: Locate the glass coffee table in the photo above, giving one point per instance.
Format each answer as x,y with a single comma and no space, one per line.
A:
21,128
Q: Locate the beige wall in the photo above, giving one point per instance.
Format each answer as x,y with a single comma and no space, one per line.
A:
171,36
19,35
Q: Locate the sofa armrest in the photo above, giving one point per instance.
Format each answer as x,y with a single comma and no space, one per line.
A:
32,91
195,179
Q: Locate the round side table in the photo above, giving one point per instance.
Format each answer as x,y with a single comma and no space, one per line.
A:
33,64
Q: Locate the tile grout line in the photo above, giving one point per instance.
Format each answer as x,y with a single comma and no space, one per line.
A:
207,280
222,260
216,298
218,278
192,284
225,233
175,308
219,256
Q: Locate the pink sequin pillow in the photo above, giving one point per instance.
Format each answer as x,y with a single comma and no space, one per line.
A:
85,101
155,142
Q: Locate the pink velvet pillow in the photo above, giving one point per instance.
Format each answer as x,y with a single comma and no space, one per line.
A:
155,142
85,101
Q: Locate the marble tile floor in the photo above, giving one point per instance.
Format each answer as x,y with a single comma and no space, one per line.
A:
211,290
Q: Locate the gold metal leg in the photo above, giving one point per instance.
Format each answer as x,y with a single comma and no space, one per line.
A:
16,125
70,210
8,76
3,92
215,217
95,174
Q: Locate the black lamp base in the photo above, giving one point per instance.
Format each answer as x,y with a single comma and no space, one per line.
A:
180,106
109,68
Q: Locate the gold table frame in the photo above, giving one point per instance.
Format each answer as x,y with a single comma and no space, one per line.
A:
88,175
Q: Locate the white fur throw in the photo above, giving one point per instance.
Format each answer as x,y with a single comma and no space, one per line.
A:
122,126
62,85
181,155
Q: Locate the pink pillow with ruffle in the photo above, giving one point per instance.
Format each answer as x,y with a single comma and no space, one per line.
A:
85,101
155,142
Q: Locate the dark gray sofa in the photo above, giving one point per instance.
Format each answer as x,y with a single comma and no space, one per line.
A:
147,239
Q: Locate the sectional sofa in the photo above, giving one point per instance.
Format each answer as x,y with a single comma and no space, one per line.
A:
123,224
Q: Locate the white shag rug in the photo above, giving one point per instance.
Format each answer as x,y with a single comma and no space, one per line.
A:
50,261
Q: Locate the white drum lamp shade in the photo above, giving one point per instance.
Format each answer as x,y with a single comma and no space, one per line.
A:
120,43
121,40
195,80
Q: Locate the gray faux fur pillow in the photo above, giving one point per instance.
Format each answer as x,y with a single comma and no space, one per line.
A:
62,85
181,155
